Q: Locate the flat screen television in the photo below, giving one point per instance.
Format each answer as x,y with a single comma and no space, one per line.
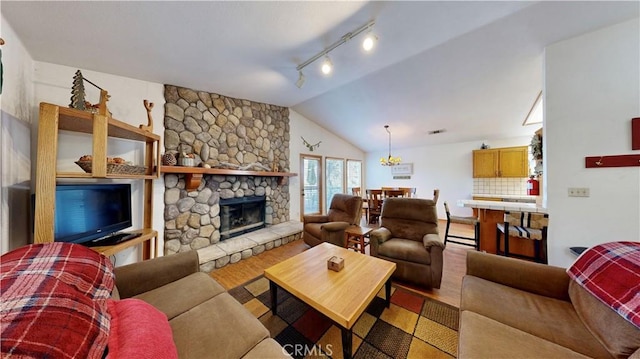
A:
88,211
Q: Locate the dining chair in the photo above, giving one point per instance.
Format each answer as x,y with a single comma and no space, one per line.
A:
472,221
356,191
374,201
525,225
409,192
393,193
436,195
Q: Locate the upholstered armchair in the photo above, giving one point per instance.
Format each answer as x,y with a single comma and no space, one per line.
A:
408,236
345,210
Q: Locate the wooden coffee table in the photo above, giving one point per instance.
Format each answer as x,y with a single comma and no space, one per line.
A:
341,296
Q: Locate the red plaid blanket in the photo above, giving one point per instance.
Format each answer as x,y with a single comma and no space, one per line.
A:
611,272
53,302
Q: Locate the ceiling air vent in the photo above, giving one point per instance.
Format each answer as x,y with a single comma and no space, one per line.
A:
435,132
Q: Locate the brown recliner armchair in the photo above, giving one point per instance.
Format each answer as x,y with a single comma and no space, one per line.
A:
345,210
408,236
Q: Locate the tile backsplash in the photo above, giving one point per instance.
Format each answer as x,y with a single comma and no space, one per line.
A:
512,186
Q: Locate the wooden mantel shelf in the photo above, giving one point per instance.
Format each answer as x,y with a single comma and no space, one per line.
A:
193,175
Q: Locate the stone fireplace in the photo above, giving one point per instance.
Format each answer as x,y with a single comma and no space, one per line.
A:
222,132
241,215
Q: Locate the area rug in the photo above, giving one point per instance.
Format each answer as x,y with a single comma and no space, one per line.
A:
412,327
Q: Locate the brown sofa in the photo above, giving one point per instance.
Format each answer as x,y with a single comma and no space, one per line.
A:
205,320
408,236
517,309
345,210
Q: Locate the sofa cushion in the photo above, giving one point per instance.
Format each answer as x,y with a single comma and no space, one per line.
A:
138,330
88,271
54,301
482,337
267,348
619,336
180,296
550,319
409,218
221,325
611,273
404,249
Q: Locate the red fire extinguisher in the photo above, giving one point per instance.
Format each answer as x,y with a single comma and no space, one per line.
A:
533,187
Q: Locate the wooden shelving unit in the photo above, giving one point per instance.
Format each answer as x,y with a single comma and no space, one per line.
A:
100,126
193,175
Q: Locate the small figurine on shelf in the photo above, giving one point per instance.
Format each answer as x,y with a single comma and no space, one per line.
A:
78,96
187,160
77,92
168,159
149,126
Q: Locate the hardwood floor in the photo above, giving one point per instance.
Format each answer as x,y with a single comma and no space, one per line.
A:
454,268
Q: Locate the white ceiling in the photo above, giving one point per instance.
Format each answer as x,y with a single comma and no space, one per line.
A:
473,68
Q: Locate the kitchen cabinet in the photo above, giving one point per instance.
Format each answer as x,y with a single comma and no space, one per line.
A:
507,162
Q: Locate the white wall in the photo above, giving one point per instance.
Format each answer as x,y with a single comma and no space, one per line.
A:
16,104
331,146
53,85
592,90
448,167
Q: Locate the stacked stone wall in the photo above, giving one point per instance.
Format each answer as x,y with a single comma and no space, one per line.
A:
221,132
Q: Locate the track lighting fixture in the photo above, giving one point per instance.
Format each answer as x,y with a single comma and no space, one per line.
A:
369,41
327,66
301,79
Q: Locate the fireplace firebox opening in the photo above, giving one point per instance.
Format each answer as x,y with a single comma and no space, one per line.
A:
241,215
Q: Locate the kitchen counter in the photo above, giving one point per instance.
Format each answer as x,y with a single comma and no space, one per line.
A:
502,206
506,197
490,213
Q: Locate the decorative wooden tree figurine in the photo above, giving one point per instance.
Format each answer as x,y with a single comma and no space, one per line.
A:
149,126
77,92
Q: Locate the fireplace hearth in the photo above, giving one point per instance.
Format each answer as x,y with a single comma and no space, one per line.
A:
241,215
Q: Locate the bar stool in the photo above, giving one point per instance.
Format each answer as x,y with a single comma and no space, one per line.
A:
472,221
531,226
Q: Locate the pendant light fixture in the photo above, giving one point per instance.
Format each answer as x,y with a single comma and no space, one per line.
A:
390,161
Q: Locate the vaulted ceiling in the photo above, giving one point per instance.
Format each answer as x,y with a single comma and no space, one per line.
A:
473,68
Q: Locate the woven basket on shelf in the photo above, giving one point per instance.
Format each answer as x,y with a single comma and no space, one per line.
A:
115,168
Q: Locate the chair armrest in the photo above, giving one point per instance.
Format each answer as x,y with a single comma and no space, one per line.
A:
144,276
315,218
377,237
532,277
432,240
380,235
335,226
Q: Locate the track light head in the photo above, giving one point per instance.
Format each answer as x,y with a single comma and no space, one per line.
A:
301,80
369,41
327,66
